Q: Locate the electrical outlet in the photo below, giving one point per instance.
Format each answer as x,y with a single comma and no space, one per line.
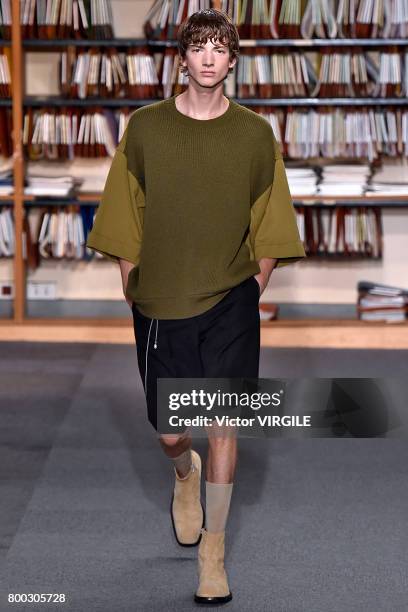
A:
41,291
6,290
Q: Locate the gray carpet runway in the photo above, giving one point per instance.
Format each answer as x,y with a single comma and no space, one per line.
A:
316,525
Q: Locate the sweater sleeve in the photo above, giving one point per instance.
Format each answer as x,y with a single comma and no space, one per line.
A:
117,228
273,230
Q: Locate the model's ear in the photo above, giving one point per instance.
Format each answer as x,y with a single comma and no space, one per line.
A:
233,62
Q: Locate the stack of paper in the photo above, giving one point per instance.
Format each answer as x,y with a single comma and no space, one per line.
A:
344,180
391,179
302,181
46,186
89,174
381,302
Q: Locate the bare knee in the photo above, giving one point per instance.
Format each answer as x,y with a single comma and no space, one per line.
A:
174,444
222,438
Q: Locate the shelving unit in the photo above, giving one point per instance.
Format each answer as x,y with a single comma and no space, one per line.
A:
58,101
259,42
19,101
310,201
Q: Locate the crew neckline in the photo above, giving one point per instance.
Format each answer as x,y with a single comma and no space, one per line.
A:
191,121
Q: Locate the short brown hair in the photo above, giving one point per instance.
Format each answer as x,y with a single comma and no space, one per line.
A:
208,24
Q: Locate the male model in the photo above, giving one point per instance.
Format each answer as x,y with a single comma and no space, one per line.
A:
197,210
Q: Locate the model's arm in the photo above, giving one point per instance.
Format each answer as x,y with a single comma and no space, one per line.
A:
273,238
125,267
266,264
118,225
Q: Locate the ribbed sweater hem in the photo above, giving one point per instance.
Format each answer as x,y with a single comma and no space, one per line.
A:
180,307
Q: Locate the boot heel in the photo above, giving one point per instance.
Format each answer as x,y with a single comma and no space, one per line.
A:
186,509
213,586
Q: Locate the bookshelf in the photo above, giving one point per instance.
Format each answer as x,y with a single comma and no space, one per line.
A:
260,42
19,101
58,101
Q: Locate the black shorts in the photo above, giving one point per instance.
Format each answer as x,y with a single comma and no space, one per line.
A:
223,342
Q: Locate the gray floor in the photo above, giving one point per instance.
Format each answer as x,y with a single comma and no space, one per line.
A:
316,525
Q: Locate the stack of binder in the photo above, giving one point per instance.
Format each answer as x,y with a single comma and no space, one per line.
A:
266,74
88,19
344,232
289,18
6,232
163,20
389,68
108,73
369,133
56,232
6,130
61,234
71,133
269,72
5,75
377,302
5,20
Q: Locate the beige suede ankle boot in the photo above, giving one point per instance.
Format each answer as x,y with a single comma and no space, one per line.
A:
187,512
213,584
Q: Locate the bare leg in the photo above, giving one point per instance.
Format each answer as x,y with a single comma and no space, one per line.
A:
178,448
222,454
221,463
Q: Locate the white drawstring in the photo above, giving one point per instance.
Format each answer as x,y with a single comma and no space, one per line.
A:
157,327
147,349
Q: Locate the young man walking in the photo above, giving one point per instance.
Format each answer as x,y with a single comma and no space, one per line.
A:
197,210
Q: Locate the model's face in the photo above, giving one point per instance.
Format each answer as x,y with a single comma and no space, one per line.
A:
208,64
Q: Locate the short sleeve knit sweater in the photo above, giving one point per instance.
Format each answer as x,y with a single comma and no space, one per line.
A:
194,204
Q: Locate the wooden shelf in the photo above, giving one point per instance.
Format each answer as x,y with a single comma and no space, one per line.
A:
259,42
57,101
92,199
317,334
127,322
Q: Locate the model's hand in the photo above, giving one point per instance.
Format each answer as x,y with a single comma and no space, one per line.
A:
261,282
266,265
125,268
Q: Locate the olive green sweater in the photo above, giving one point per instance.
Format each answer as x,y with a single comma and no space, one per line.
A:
194,204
